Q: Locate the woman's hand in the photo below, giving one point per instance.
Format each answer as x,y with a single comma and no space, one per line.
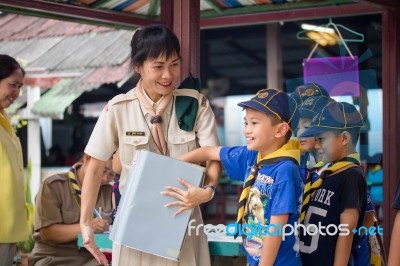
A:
187,199
90,244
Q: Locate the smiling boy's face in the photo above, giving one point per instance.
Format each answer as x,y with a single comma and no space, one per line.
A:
306,144
260,132
331,145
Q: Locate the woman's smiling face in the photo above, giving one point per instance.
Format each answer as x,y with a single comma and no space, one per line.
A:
159,75
10,88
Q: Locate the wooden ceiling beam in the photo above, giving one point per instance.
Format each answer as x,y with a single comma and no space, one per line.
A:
73,13
380,3
289,15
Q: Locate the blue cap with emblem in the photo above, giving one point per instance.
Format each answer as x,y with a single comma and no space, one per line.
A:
313,105
275,103
334,116
305,91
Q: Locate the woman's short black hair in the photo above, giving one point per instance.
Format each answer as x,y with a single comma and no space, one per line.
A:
152,41
8,66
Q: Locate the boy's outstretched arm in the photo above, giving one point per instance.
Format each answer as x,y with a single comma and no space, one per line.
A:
271,243
203,154
213,173
394,254
344,243
193,196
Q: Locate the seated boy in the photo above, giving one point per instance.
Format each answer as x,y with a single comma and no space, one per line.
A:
272,189
57,215
338,198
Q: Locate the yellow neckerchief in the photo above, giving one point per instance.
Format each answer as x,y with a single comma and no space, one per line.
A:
5,123
74,183
317,166
376,168
289,151
310,189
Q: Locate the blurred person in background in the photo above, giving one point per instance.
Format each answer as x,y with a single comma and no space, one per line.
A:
14,224
57,215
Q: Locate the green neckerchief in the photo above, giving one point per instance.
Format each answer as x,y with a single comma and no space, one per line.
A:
186,107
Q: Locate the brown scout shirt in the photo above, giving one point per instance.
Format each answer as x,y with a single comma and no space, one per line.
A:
55,204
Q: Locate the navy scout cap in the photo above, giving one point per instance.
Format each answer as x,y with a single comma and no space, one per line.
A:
275,103
334,116
313,105
303,92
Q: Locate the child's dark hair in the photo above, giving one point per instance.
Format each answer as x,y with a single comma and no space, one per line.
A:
152,41
8,66
354,134
275,120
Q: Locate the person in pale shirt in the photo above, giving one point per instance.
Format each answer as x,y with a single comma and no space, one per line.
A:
153,116
14,223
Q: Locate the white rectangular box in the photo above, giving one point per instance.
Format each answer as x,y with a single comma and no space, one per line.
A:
142,221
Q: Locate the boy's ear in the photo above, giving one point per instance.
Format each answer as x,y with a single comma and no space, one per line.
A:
283,128
346,137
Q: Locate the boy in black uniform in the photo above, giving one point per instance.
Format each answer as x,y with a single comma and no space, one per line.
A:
336,202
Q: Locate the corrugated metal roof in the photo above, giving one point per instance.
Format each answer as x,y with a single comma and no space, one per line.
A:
116,53
60,52
100,55
109,74
15,25
95,44
35,48
55,101
5,19
13,47
64,28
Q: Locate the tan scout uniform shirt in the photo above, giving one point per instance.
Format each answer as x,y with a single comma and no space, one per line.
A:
125,124
55,204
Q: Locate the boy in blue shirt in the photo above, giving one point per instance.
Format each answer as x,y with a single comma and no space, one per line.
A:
338,198
272,192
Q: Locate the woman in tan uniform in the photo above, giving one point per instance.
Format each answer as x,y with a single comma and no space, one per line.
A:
150,117
57,217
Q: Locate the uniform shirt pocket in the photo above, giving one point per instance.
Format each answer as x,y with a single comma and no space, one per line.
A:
181,143
130,145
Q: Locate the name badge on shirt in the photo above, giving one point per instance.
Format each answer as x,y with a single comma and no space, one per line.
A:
135,133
